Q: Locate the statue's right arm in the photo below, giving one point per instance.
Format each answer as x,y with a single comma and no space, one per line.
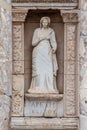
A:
35,39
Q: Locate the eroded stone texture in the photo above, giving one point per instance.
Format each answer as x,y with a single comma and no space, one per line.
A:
5,63
46,123
44,108
83,76
18,63
83,66
70,73
46,1
18,95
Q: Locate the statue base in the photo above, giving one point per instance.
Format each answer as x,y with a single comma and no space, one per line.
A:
44,96
43,105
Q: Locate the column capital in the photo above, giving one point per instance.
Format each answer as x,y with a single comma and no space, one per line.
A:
19,15
70,16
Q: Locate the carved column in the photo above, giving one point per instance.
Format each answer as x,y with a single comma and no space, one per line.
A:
18,62
70,19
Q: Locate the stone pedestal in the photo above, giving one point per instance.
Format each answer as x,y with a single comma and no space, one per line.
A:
44,105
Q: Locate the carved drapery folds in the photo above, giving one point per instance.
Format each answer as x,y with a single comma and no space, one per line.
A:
70,19
18,62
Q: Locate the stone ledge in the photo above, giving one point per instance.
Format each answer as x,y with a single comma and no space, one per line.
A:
26,123
50,97
46,1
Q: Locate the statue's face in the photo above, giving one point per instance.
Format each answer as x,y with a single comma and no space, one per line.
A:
45,23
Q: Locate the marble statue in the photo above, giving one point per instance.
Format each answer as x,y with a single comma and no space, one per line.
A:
44,62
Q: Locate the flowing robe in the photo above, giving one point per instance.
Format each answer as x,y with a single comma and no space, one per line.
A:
44,63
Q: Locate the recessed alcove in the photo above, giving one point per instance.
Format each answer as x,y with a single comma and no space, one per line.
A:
31,23
51,111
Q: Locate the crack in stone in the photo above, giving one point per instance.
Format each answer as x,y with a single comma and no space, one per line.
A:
45,109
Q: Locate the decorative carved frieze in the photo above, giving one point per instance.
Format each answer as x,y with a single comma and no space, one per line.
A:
70,67
70,42
18,47
45,1
70,15
18,95
18,69
70,77
70,96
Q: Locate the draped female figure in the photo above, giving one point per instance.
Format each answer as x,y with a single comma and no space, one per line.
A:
44,63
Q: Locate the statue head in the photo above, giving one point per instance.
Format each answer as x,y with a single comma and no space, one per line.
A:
44,22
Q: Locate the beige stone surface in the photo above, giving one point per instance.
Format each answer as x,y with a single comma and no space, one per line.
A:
18,95
18,45
83,66
44,108
70,67
18,67
18,63
5,63
44,123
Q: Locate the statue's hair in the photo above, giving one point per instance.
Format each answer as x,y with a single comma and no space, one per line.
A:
47,18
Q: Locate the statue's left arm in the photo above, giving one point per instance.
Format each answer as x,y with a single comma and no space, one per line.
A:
54,48
53,41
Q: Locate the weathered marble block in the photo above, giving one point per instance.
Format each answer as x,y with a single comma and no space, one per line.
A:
40,105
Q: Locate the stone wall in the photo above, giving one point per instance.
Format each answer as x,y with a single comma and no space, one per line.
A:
83,65
5,63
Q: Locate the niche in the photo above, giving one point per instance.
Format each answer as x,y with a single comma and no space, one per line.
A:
31,23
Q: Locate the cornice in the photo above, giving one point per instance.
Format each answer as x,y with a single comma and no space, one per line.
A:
45,1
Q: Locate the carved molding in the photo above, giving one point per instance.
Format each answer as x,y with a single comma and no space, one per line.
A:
19,15
70,15
44,123
45,1
49,97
